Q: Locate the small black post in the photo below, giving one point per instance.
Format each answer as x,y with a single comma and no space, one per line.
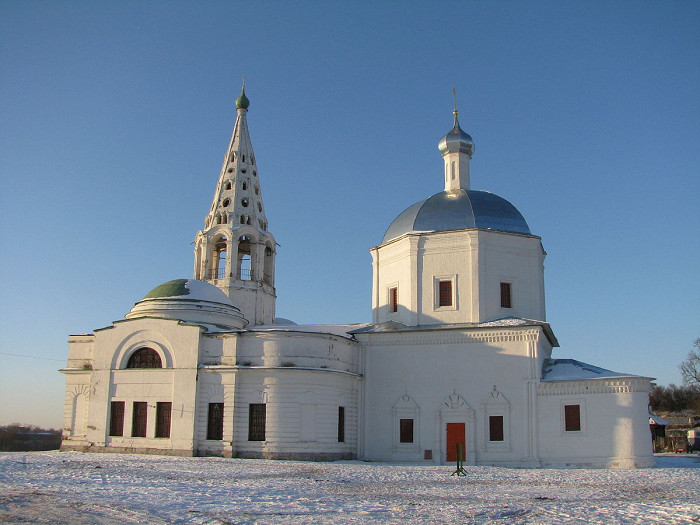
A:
459,471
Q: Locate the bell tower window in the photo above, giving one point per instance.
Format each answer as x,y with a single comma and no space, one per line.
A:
245,265
245,268
268,266
219,259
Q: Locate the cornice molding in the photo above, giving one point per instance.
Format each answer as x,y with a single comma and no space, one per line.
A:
594,386
456,336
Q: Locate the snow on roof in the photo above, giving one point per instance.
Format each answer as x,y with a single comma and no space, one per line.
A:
508,321
189,289
505,322
572,370
656,420
341,330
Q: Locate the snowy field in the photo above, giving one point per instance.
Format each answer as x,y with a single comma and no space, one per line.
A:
53,487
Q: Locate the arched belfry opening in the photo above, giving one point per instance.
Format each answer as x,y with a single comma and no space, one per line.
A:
219,259
269,266
244,270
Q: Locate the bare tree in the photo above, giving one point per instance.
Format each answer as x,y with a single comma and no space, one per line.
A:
690,368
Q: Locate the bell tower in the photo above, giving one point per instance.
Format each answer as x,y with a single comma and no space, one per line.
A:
235,251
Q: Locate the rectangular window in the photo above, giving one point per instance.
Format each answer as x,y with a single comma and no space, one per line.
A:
163,416
505,295
445,293
138,419
256,422
393,299
572,418
215,421
116,418
406,431
341,424
495,428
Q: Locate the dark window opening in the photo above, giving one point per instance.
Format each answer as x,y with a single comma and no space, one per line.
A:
406,431
244,202
256,422
572,418
116,418
144,358
244,186
445,293
393,300
226,203
138,419
228,184
215,421
495,428
163,418
341,424
505,295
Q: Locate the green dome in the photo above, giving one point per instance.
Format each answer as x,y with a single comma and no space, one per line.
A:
169,289
242,102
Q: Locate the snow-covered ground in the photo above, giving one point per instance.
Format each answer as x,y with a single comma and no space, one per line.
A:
77,488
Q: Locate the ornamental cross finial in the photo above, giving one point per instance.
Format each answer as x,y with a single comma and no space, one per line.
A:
454,97
243,88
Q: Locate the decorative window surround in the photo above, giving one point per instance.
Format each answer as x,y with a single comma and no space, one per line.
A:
496,404
440,283
405,408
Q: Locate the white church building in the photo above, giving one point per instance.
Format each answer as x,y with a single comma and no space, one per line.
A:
458,356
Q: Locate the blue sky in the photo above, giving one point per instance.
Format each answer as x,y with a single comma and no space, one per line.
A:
116,116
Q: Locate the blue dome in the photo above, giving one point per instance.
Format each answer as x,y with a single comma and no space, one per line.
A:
459,210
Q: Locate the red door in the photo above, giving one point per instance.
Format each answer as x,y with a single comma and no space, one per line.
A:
455,434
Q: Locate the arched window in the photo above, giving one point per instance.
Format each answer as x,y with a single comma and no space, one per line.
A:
244,264
219,259
144,358
268,266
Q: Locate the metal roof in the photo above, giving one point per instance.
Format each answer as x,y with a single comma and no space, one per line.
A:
457,210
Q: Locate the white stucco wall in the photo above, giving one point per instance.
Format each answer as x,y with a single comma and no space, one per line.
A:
476,261
177,344
287,392
614,423
442,376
